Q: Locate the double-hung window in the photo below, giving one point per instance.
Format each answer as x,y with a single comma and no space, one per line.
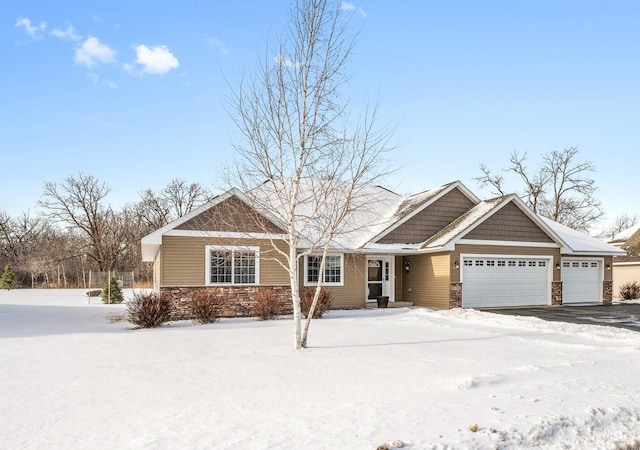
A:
232,265
333,270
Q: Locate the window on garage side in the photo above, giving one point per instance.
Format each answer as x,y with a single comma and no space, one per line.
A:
232,265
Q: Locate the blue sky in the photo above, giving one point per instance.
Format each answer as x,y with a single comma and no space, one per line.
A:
133,92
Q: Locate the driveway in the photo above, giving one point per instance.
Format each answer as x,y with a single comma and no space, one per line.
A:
618,315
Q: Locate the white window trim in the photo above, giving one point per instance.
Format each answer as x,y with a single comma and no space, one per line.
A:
207,275
306,268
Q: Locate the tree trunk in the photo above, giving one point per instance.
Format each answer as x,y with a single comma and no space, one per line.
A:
295,297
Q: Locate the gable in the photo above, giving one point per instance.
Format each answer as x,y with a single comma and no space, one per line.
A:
509,224
230,215
430,220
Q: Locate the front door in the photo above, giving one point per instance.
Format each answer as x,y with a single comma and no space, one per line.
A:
379,275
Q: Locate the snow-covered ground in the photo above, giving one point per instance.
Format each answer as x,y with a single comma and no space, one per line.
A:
72,375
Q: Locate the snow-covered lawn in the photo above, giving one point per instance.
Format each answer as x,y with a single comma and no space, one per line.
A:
73,376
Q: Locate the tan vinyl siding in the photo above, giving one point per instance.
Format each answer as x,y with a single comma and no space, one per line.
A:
352,293
184,260
608,274
230,215
430,220
509,224
503,250
399,272
622,275
427,283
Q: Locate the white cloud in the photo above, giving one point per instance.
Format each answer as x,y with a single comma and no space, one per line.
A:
280,59
69,33
217,43
112,85
31,30
350,7
92,52
155,60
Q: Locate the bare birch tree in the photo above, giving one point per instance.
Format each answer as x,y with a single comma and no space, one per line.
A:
301,157
560,189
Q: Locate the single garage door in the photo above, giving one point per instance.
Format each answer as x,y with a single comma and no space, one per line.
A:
581,280
505,281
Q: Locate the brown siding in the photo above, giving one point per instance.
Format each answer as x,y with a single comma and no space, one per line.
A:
504,250
509,224
231,214
431,220
427,283
352,293
184,260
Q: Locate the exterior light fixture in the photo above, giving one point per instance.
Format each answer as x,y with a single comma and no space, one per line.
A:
557,266
407,266
457,264
608,266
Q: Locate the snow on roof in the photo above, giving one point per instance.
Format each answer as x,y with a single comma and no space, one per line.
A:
625,235
371,209
581,243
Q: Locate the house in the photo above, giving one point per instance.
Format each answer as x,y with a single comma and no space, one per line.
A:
442,248
626,268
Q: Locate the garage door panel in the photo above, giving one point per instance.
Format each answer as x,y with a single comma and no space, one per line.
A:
499,281
581,280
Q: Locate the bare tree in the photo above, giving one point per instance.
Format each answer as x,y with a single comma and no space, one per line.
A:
175,200
20,238
298,145
559,189
182,197
78,202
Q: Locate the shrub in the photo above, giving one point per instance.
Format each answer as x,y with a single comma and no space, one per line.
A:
112,293
206,306
148,310
630,291
8,280
324,302
266,306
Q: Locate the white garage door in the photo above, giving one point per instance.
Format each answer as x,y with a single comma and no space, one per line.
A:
581,281
505,281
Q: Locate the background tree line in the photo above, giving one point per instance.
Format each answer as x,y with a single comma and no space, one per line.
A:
77,231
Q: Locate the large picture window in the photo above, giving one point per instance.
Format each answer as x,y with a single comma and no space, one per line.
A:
232,265
333,270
